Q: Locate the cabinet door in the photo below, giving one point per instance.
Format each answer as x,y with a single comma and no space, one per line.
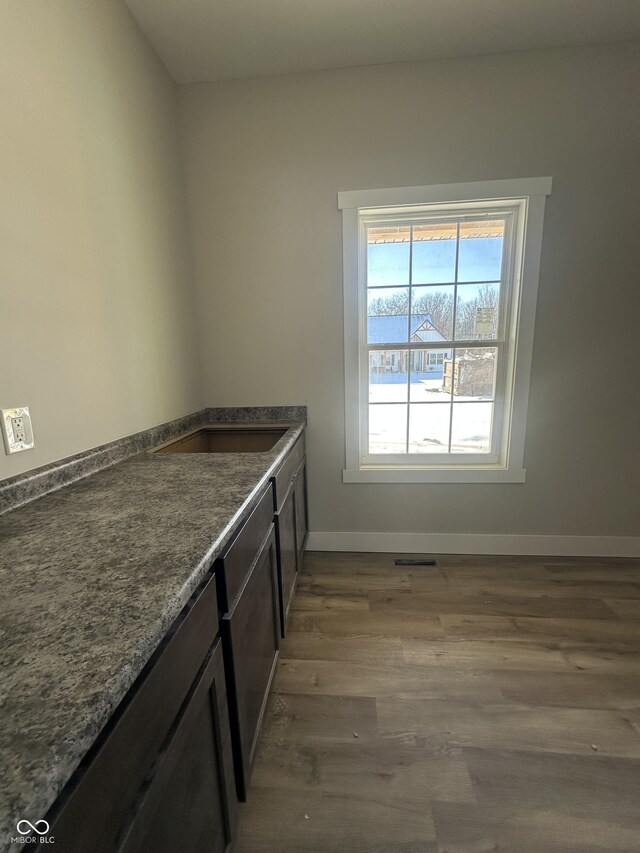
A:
251,637
302,526
287,556
188,800
108,783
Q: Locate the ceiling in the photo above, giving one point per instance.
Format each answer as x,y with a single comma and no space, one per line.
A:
223,39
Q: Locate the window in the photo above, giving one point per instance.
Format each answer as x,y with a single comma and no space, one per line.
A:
440,288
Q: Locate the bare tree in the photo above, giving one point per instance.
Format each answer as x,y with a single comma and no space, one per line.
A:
438,306
467,312
385,306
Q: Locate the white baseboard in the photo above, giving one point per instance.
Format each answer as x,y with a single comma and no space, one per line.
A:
476,543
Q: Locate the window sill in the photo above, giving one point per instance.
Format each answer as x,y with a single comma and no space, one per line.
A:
434,475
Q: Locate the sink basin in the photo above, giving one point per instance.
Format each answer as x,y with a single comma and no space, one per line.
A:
226,439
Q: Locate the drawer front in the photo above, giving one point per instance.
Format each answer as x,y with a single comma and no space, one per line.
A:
240,556
284,477
251,636
118,764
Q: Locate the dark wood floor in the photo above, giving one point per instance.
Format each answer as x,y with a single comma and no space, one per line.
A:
486,704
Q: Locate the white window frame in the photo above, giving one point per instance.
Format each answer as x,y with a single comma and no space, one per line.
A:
522,200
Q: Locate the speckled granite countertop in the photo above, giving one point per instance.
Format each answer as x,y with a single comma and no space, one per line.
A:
92,576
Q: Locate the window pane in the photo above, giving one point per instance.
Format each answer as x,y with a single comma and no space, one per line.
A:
388,256
474,374
429,428
477,311
388,429
471,427
432,313
427,374
434,253
387,321
388,376
480,252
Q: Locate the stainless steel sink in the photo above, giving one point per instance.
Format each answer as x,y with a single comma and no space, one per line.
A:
225,439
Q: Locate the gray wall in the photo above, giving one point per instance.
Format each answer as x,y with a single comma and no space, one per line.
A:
96,298
265,159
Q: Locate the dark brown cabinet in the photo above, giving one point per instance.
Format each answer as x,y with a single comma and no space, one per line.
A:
290,504
189,800
165,754
250,633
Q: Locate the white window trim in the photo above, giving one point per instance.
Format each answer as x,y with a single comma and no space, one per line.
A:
530,193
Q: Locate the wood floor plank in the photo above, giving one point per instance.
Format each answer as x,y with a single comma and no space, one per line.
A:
326,583
607,633
371,624
608,570
624,608
331,601
599,633
470,626
474,563
319,716
540,588
357,679
468,828
569,783
485,654
383,769
570,689
409,603
285,821
598,659
541,801
310,645
545,729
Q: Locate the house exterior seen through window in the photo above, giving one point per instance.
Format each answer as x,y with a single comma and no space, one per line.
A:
439,308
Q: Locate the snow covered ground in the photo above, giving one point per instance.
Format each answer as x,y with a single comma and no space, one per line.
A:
428,424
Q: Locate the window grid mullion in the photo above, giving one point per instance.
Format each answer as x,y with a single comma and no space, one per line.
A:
375,287
406,448
486,343
453,330
431,402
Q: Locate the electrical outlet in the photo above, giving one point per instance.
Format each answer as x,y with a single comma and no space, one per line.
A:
17,430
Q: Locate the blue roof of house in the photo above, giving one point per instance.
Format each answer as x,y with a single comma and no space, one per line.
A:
392,328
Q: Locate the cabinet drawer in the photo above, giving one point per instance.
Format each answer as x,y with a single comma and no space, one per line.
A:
235,563
287,472
106,784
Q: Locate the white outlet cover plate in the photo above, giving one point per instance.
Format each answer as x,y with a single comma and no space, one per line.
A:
11,442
